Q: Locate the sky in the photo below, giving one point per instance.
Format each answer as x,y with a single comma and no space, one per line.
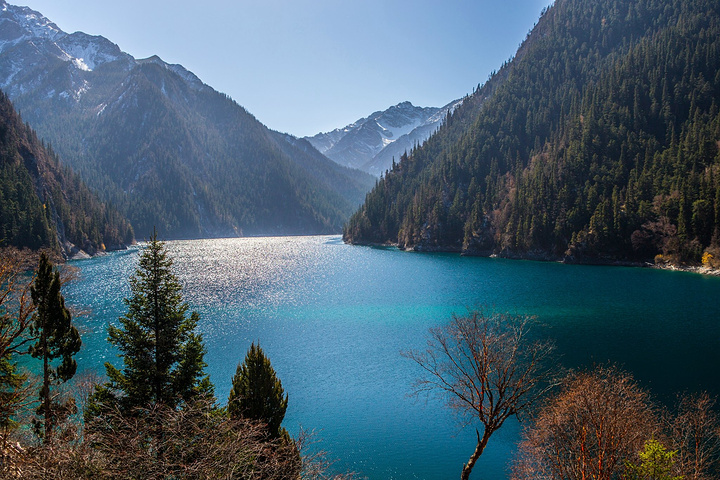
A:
309,66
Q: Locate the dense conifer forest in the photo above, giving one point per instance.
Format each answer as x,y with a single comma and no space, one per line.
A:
597,142
45,205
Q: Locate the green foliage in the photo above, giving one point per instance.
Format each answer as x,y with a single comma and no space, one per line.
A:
598,141
656,463
57,338
52,322
161,351
43,204
257,393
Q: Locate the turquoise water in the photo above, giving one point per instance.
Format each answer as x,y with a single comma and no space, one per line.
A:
333,319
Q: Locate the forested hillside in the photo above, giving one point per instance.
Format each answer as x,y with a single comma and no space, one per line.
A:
598,142
44,205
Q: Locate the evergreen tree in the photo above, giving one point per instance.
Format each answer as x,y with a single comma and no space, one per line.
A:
257,393
656,463
161,352
57,338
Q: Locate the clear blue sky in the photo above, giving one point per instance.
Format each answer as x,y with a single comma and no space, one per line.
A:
305,66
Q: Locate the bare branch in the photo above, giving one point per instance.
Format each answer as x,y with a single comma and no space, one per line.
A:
487,369
696,436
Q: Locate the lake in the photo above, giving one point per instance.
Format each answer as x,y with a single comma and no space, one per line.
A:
333,319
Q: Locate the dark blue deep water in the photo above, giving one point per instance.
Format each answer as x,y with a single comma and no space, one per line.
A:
333,319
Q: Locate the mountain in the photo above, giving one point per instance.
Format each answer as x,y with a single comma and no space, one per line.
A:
370,144
598,142
45,205
164,148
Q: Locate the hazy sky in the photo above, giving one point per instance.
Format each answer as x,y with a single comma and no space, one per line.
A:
305,66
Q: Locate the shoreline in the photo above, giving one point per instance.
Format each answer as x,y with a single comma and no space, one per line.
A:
698,269
539,256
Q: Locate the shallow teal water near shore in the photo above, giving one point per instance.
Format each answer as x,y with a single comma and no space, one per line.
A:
333,319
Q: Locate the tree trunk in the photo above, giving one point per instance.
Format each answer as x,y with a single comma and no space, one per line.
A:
482,442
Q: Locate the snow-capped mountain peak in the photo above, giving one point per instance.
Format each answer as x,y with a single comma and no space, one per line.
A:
29,40
30,33
18,23
371,143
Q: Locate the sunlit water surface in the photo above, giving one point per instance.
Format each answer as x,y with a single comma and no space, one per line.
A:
334,318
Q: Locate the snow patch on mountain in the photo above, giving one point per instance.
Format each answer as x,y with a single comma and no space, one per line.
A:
392,132
21,23
28,38
89,52
80,64
371,143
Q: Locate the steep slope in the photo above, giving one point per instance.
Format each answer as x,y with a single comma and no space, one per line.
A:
598,142
165,148
372,143
43,205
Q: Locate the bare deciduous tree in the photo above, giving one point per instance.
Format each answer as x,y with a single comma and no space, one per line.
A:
696,436
488,367
197,444
16,308
200,443
316,463
597,422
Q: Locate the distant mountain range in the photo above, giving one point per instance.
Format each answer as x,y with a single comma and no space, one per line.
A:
164,148
370,144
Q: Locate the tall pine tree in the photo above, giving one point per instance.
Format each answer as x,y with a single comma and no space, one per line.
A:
57,338
161,351
257,393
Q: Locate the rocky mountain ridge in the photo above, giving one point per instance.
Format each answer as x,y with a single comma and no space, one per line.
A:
371,143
